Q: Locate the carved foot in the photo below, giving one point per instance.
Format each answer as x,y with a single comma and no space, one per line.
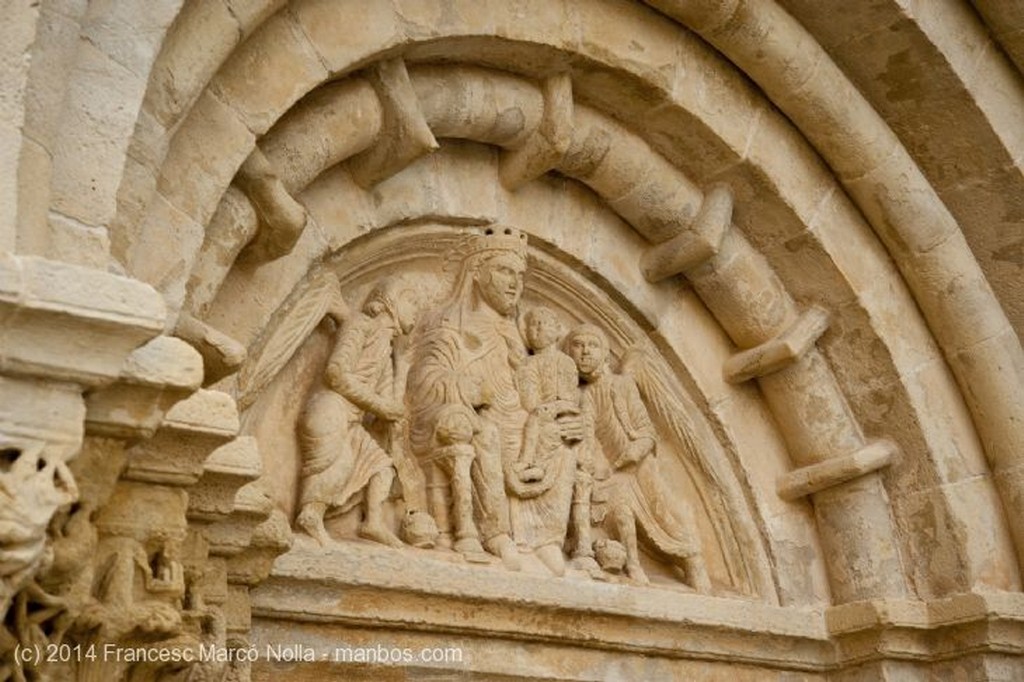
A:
471,550
378,533
636,573
502,546
312,525
468,546
588,564
553,558
697,575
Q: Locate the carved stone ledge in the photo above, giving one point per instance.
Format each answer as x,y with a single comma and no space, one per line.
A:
155,377
695,244
233,535
364,586
270,539
372,586
101,318
191,430
832,472
544,149
936,630
226,470
34,412
780,352
405,135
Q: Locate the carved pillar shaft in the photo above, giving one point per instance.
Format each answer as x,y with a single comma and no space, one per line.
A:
856,529
908,216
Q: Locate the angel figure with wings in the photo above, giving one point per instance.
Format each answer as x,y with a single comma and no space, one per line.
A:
625,438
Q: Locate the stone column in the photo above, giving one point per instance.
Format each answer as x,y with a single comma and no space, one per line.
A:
80,355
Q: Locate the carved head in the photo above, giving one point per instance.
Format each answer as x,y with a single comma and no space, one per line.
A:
610,554
543,328
588,347
398,297
33,486
492,263
499,281
419,529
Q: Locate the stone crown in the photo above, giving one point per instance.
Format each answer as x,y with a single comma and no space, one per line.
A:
495,239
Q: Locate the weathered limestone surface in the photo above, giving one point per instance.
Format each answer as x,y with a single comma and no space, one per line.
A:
541,339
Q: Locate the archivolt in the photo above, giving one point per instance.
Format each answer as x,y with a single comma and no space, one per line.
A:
747,296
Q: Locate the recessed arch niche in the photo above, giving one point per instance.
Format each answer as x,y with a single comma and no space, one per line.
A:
460,183
699,470
367,156
807,214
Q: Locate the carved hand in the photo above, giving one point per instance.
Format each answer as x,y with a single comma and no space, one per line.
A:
392,410
572,427
635,452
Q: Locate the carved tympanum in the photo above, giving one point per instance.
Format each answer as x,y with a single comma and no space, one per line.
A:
518,444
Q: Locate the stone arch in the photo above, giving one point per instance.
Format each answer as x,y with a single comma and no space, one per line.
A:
438,48
799,196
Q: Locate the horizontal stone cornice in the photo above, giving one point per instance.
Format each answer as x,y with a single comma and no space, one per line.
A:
69,323
360,585
367,585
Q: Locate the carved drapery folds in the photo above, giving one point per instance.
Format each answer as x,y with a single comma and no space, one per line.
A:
386,114
447,417
483,419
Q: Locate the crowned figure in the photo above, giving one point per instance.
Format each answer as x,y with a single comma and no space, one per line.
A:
466,419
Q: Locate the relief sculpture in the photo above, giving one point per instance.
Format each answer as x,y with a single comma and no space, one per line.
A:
529,450
552,482
632,485
343,465
466,418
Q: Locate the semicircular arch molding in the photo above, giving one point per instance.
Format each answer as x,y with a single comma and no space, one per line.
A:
642,213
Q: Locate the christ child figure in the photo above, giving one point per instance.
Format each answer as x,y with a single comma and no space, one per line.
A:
548,377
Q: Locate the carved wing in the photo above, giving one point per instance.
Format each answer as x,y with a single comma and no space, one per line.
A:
289,327
669,410
716,485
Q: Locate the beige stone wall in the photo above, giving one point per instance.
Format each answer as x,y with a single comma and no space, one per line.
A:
798,224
